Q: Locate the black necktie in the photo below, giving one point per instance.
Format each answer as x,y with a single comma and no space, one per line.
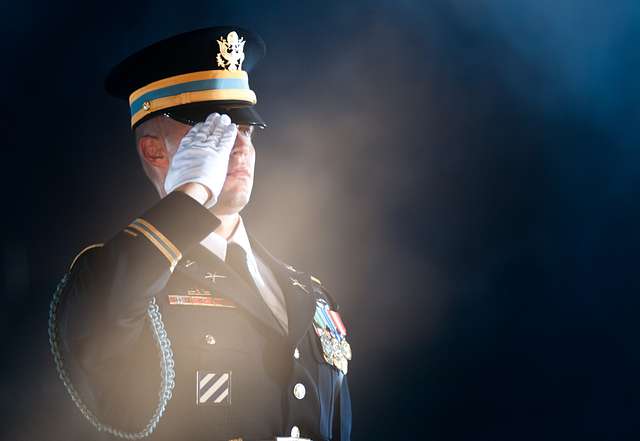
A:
237,259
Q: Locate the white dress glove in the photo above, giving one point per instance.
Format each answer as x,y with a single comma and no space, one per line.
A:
203,156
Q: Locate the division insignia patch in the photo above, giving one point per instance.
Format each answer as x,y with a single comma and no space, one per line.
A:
213,389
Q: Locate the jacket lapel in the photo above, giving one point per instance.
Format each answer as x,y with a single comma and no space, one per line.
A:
298,293
210,272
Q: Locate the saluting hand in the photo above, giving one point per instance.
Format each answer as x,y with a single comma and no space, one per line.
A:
203,156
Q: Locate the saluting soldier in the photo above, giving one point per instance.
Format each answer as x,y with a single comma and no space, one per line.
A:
182,326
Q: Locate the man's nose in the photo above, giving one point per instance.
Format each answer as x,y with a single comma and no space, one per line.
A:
241,146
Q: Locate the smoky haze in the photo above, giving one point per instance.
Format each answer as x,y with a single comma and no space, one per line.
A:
461,175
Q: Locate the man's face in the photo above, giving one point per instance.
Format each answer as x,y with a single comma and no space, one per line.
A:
236,190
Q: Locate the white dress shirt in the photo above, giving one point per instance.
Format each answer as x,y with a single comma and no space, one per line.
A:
262,276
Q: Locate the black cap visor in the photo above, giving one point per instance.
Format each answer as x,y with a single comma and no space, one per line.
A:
194,113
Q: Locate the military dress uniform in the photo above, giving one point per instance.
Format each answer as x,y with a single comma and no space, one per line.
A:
269,383
155,335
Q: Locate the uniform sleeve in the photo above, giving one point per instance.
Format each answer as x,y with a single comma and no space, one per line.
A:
103,307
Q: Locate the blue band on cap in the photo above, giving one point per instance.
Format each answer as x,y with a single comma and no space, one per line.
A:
191,86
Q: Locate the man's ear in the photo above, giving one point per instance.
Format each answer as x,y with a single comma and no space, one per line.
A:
154,152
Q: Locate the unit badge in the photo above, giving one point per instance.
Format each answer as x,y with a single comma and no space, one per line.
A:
231,53
213,388
332,333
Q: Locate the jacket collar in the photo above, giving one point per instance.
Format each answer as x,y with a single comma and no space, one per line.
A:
297,289
212,273
218,245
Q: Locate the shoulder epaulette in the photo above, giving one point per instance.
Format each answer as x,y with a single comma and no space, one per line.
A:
84,250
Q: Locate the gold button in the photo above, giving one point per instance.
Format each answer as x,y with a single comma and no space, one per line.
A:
210,339
295,432
296,353
299,391
146,105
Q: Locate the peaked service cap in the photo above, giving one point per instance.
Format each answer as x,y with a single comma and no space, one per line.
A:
191,75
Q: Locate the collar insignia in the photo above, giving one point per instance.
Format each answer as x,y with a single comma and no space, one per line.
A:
214,276
296,282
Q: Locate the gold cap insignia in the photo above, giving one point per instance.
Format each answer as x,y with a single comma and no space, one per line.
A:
231,53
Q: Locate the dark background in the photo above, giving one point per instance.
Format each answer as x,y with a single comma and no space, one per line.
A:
463,175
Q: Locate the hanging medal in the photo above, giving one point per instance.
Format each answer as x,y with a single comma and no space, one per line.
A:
332,333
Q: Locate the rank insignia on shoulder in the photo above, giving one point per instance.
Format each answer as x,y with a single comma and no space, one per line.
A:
213,389
332,334
200,300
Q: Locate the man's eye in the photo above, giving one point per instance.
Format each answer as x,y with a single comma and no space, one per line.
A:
245,130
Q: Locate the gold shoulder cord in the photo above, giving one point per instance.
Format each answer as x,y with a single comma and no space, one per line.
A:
167,373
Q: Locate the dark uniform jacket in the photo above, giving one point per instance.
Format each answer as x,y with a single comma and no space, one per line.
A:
237,374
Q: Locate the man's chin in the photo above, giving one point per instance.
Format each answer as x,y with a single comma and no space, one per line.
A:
231,203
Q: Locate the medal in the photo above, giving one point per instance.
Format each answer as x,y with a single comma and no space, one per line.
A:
331,332
346,349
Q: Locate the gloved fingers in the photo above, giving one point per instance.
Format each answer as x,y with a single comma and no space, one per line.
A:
209,134
194,130
202,135
214,120
225,120
191,134
209,122
228,138
218,127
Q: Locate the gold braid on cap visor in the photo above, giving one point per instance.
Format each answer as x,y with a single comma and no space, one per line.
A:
210,85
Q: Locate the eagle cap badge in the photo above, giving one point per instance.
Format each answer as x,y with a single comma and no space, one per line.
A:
231,53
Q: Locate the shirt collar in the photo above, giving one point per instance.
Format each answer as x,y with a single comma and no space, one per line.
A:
218,245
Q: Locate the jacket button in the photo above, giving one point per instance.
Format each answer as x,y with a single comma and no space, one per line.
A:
296,353
299,391
210,339
295,432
